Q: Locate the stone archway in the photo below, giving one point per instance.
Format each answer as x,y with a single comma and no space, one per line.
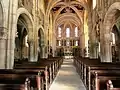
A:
111,17
21,40
24,23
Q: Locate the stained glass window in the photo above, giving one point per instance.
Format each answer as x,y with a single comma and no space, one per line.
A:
67,32
76,43
59,31
94,4
26,41
113,38
59,43
67,43
76,31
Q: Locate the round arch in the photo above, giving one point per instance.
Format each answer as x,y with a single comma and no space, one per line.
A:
110,19
28,19
41,40
24,17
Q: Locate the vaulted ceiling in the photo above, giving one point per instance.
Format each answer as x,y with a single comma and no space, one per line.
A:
64,11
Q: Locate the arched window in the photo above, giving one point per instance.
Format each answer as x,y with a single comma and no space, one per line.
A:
76,43
94,4
59,31
26,41
67,32
68,43
113,38
59,43
76,31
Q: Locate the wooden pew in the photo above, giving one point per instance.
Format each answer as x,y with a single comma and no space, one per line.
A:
82,64
58,62
113,85
44,66
100,77
45,69
49,66
100,69
14,82
54,66
88,68
35,76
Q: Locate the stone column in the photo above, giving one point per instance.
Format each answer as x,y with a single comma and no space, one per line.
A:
43,52
46,24
82,39
102,42
92,38
54,45
42,49
31,51
3,35
2,53
13,5
35,29
105,40
107,48
93,46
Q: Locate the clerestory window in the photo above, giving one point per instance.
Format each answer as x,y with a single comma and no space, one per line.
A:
59,32
76,31
67,32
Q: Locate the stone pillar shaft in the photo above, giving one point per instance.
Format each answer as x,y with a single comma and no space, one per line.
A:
2,53
13,5
107,49
31,51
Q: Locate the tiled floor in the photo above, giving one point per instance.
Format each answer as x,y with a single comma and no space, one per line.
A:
67,78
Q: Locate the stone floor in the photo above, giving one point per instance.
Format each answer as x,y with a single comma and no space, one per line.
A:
67,78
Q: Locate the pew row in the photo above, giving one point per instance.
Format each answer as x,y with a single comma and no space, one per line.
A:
14,82
113,85
49,66
95,74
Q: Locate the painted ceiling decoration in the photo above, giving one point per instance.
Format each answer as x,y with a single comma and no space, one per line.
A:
67,10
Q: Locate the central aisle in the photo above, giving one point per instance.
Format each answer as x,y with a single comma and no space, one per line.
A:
67,78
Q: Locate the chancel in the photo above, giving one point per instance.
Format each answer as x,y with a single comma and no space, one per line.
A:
59,45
